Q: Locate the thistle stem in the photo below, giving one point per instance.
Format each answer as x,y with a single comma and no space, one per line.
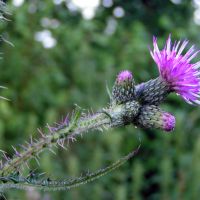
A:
54,185
32,150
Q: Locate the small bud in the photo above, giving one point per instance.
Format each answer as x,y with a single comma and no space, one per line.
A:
151,116
124,76
168,121
124,87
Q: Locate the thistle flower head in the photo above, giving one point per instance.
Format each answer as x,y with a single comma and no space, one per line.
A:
124,87
152,116
124,76
168,121
176,69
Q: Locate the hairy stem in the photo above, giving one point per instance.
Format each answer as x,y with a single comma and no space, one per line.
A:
52,185
76,127
115,116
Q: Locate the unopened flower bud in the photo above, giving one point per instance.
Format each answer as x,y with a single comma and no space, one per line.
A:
151,116
124,88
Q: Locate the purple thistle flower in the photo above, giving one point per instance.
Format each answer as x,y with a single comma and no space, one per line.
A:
168,121
124,76
176,69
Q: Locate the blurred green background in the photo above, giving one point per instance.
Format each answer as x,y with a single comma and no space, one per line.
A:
65,52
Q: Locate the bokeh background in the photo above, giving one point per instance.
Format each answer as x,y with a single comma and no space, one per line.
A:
64,53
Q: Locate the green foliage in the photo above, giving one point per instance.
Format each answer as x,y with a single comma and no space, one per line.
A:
44,84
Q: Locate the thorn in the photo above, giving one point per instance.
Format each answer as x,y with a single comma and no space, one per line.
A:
23,147
71,138
57,124
84,114
28,143
55,145
66,121
52,151
68,140
77,106
2,151
31,138
61,142
4,98
108,90
38,156
2,195
6,157
64,147
2,38
1,164
27,165
16,152
37,161
51,128
36,141
3,87
23,167
41,174
41,133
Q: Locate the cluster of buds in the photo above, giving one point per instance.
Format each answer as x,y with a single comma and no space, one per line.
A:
176,74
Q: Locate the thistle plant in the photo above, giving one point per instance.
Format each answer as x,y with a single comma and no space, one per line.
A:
130,104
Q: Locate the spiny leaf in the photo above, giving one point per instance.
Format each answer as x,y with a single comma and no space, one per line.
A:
33,180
